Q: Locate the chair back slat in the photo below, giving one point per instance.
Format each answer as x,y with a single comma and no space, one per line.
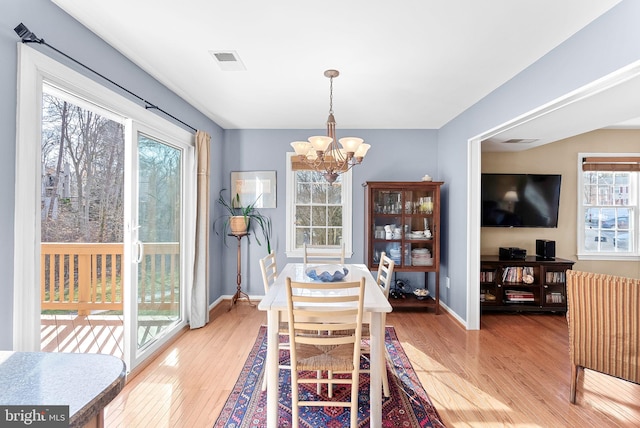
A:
385,273
323,253
269,269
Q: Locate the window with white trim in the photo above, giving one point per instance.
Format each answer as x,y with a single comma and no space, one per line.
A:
318,212
608,206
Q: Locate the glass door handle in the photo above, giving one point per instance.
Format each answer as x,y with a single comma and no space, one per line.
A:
139,252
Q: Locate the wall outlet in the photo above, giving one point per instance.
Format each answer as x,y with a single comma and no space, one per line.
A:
447,281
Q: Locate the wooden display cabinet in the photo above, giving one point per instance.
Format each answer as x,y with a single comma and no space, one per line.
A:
402,219
530,284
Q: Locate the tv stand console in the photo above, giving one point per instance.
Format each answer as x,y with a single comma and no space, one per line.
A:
529,284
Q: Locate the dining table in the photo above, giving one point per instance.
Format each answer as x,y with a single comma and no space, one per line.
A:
375,305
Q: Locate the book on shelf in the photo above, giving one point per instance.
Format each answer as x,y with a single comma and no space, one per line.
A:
519,296
553,277
516,273
555,298
487,276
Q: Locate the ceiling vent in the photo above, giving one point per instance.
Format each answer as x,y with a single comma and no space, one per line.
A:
228,60
520,141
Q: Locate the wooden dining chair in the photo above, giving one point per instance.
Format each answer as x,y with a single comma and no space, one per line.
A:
383,279
269,269
323,253
329,344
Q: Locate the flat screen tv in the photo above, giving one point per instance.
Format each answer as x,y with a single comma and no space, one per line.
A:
520,200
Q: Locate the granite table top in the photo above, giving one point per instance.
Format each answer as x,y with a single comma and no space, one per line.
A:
84,382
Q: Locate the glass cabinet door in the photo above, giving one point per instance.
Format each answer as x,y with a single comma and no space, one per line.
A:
419,235
403,226
403,221
388,224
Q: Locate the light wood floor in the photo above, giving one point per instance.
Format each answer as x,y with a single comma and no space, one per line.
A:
514,372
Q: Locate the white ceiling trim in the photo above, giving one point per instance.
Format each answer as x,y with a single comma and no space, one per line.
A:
573,113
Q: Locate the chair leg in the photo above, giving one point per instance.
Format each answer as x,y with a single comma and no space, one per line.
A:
354,402
294,400
574,381
330,385
264,379
385,373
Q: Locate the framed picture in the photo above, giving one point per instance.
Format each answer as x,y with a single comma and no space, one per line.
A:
258,186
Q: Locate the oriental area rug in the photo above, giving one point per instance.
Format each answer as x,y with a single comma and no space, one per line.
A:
408,406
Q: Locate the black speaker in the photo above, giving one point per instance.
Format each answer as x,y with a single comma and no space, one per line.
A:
545,248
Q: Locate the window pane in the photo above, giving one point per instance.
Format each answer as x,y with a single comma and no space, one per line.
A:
604,195
621,241
605,178
319,216
319,195
334,236
590,193
621,179
622,221
319,237
335,216
303,193
303,216
608,218
335,194
591,236
591,216
302,236
621,189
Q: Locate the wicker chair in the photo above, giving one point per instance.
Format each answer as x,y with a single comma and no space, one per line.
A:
338,307
604,325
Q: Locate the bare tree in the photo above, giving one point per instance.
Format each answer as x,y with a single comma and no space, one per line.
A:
93,147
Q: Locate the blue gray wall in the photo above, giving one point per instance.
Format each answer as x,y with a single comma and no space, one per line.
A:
610,43
257,150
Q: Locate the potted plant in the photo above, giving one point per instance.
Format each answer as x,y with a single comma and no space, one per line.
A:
241,219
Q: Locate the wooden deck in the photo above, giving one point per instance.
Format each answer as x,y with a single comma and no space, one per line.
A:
102,334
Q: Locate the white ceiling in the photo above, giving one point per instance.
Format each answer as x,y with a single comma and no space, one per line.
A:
414,64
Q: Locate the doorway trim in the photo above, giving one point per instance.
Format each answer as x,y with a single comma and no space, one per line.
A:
625,75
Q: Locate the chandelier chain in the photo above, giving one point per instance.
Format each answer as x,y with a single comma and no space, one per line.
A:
331,95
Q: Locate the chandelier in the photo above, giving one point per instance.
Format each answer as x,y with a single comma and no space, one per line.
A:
322,153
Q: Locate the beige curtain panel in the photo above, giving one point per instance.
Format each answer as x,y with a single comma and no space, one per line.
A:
200,290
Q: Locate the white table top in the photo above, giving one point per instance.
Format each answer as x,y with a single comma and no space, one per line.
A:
276,298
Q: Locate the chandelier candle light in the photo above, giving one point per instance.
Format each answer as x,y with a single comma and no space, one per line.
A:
322,152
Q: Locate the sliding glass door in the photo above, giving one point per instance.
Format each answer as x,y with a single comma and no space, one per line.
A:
145,226
158,210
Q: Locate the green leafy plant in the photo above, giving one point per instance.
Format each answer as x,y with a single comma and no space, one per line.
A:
253,218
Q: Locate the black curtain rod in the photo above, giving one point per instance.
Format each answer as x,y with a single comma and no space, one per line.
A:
27,36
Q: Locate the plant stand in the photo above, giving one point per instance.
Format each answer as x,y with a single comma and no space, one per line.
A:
239,293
